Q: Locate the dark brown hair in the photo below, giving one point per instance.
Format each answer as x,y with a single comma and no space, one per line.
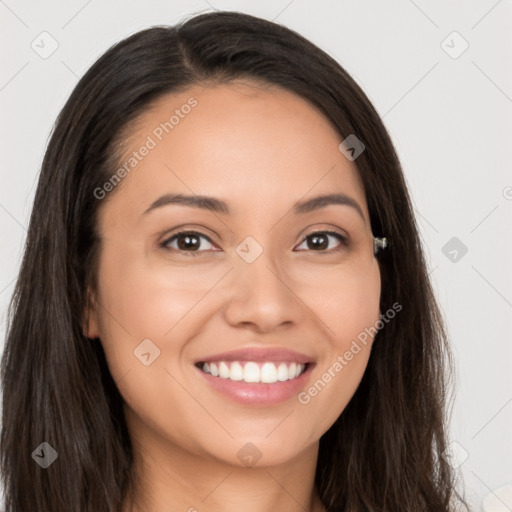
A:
384,452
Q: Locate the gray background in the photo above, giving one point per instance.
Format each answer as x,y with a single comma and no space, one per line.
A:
448,114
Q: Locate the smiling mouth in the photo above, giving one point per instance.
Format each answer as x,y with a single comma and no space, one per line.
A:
265,372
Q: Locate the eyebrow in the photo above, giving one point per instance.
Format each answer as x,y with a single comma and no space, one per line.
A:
215,205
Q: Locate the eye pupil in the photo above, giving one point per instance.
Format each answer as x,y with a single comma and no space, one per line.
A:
184,246
315,241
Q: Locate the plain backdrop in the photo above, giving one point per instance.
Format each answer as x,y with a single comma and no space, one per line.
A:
438,73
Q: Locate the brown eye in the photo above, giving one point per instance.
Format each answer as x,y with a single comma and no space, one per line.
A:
319,241
187,242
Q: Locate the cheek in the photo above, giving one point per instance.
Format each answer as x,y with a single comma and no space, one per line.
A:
145,307
349,306
141,300
351,314
133,306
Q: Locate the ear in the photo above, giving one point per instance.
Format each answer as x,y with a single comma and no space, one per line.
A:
90,326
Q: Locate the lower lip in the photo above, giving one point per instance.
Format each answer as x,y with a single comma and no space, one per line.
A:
258,393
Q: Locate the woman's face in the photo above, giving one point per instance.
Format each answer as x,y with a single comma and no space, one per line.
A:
253,292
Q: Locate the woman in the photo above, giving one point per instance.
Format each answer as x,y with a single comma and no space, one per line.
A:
297,361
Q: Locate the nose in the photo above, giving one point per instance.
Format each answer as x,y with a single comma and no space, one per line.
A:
261,297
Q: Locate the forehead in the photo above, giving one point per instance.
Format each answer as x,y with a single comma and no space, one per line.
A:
256,146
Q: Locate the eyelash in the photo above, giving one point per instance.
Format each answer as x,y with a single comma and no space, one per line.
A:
340,237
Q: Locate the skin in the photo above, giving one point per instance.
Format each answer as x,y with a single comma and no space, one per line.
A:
260,149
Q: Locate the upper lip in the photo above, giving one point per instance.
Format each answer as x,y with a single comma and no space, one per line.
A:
259,354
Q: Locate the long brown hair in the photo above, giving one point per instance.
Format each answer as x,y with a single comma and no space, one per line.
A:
384,452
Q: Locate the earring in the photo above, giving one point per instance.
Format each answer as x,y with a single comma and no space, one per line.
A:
379,243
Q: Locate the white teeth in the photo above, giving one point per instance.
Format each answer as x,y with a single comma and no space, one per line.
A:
252,372
282,372
236,371
223,370
268,373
